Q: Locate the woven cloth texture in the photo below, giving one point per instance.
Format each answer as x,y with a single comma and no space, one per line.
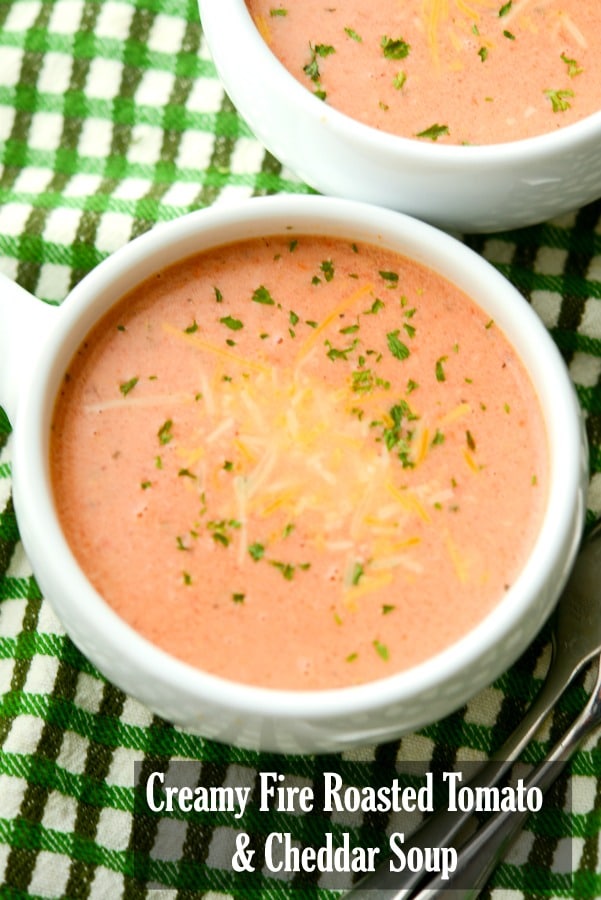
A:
113,119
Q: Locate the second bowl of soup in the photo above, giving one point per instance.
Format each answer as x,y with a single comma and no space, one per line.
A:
476,117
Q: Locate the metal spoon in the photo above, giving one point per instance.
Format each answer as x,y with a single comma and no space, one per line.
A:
478,857
576,640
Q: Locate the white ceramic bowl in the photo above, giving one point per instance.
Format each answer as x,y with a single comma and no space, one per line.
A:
463,188
328,720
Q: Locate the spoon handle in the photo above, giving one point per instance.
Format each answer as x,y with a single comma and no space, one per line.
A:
478,857
569,658
440,829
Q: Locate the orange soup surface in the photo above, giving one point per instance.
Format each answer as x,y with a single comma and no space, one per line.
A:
478,72
299,462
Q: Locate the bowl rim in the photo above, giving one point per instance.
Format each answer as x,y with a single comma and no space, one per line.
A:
241,27
33,492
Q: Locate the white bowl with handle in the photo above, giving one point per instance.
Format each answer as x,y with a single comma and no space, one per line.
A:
37,343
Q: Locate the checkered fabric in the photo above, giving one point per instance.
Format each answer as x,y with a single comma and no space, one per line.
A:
112,119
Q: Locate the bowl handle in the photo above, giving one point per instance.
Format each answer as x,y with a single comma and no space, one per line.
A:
24,323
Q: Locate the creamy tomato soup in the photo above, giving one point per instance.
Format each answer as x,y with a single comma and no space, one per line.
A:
481,72
299,462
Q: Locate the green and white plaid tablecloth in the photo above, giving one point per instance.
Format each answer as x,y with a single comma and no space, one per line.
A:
112,119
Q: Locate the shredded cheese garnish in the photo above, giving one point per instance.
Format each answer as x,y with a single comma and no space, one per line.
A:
342,307
567,24
264,29
289,452
133,400
438,21
459,561
228,355
291,444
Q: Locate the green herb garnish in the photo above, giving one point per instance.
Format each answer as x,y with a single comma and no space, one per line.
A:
391,277
363,381
392,434
234,324
312,67
573,67
164,433
256,551
353,35
396,346
127,386
221,530
376,306
394,48
336,353
433,132
382,650
559,99
262,295
287,569
357,574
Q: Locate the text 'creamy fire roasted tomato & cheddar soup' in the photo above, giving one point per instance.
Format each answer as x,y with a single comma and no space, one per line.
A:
299,462
474,72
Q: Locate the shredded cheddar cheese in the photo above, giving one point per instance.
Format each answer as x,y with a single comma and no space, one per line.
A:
227,355
264,29
458,559
440,17
349,301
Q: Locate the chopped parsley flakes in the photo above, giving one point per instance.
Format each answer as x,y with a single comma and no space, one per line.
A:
559,99
164,433
230,322
394,48
353,35
128,386
396,346
433,132
262,295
